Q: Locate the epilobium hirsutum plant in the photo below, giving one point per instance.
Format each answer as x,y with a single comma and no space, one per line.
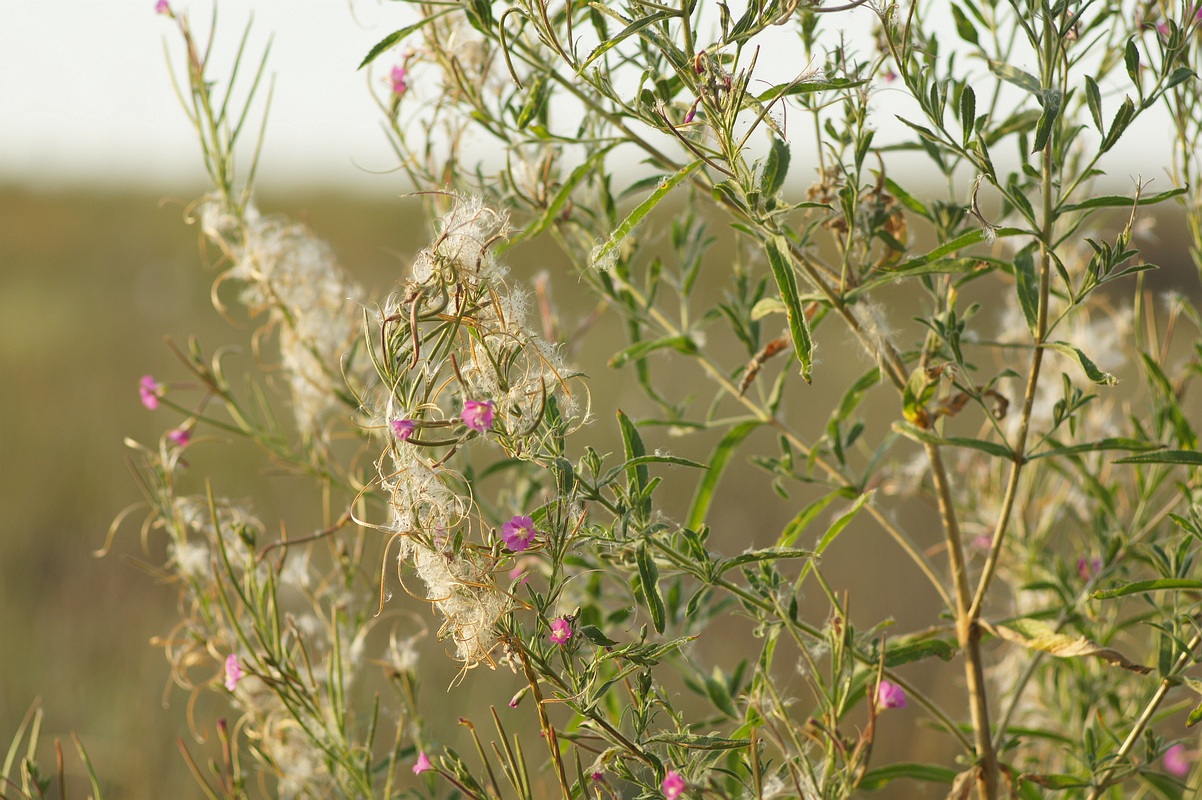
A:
945,319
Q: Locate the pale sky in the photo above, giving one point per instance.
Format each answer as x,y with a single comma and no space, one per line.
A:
85,96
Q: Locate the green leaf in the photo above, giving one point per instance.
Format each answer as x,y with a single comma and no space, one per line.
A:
929,773
678,461
631,29
649,586
842,522
781,261
396,36
719,695
776,167
1091,369
1052,100
964,26
718,461
968,110
1014,75
946,249
1118,201
799,523
902,651
1026,281
1112,443
1139,587
1188,458
1122,119
536,99
1178,76
1093,98
594,635
1194,716
1039,635
1131,60
643,209
638,350
767,306
912,431
636,474
700,742
766,554
805,87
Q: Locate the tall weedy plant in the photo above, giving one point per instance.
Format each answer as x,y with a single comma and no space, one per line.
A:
983,275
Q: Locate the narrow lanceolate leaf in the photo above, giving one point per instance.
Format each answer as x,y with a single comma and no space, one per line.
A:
643,209
1052,101
776,167
1112,443
636,474
767,554
1091,369
700,742
396,36
1119,201
718,461
1038,635
925,773
911,431
638,350
1016,76
781,262
649,582
631,29
1158,585
1027,283
1189,458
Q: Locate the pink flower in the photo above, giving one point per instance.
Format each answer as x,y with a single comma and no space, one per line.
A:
403,428
1087,568
1177,761
890,695
423,764
518,533
673,785
233,672
477,414
162,7
181,436
561,630
399,79
149,390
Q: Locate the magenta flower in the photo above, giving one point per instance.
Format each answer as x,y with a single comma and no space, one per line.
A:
233,672
399,80
477,414
403,428
423,764
1088,567
561,630
1177,761
162,7
518,533
673,785
181,436
890,695
149,390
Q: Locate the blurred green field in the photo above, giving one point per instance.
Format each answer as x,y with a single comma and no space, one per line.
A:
90,284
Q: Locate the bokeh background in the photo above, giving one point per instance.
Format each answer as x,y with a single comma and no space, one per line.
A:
98,266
